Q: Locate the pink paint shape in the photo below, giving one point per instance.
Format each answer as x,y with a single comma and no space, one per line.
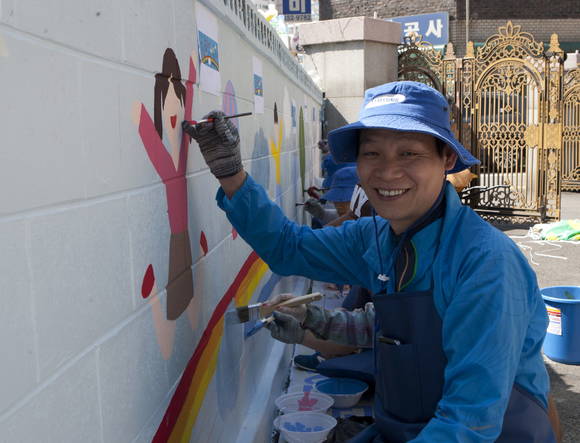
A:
148,281
203,242
234,233
306,403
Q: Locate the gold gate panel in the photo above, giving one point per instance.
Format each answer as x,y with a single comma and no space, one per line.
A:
571,132
507,109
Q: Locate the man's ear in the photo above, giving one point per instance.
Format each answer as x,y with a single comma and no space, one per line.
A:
449,157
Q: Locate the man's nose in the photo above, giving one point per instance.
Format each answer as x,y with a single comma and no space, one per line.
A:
389,169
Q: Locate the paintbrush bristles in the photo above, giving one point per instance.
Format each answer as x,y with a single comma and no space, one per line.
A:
247,313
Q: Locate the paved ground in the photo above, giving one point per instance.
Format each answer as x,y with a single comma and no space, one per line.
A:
558,263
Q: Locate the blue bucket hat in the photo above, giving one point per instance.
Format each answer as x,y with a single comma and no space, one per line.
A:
400,106
343,182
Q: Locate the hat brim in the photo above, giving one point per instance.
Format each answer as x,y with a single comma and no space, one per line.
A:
344,141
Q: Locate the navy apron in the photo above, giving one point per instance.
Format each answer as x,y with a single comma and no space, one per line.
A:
410,364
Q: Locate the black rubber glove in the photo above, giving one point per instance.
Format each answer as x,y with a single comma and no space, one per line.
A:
219,143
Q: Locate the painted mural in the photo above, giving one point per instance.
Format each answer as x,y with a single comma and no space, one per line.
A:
180,417
167,149
219,352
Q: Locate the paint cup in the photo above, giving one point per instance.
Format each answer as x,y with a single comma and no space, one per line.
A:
305,427
304,402
346,392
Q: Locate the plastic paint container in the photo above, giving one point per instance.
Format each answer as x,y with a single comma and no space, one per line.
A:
346,392
305,427
562,343
304,402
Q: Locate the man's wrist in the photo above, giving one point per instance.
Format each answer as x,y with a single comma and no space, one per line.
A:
313,316
231,184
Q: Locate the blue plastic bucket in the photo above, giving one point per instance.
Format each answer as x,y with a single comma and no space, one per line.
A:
562,343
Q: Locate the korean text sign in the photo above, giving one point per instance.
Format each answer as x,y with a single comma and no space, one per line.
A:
434,28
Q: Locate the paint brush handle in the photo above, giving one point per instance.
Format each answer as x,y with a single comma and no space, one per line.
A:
227,117
265,311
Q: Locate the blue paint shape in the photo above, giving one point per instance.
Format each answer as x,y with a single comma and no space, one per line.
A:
264,295
301,427
208,51
229,370
344,386
258,88
260,164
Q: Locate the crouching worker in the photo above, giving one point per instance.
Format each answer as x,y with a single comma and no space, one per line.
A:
457,320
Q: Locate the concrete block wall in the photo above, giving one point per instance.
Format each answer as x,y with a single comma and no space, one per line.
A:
83,214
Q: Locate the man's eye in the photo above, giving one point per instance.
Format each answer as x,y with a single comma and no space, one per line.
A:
409,154
370,154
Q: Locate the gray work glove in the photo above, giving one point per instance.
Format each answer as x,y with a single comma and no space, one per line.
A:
219,143
286,328
314,208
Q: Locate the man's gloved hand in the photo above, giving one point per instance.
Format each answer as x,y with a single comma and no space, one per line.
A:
286,328
314,208
219,143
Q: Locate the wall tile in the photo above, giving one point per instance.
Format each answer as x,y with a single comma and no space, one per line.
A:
66,410
44,148
17,333
93,27
133,379
81,287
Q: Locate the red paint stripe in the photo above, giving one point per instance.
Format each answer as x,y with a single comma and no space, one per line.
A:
177,401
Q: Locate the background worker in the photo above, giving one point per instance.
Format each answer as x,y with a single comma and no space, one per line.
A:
329,165
339,194
357,298
457,320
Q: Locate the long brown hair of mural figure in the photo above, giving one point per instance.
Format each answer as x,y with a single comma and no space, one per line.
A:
170,72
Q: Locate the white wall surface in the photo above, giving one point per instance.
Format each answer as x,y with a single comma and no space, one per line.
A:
83,213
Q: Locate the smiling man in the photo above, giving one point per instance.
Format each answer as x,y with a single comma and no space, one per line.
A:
457,320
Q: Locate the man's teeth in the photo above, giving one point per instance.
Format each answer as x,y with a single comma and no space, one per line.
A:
390,192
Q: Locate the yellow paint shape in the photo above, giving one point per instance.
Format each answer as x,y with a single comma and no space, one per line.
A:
276,149
199,386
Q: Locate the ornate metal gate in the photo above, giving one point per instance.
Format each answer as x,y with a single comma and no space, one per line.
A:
420,62
506,102
571,135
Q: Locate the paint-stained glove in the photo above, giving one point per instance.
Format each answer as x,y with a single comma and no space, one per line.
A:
314,208
219,143
286,328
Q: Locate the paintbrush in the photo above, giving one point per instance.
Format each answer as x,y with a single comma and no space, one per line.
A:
257,311
209,120
259,325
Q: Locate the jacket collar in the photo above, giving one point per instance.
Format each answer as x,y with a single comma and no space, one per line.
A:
424,233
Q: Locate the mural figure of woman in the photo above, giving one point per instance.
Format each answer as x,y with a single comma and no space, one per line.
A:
167,148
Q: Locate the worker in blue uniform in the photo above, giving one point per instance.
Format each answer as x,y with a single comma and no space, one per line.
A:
457,320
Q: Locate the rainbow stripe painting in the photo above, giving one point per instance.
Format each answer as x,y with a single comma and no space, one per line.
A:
181,414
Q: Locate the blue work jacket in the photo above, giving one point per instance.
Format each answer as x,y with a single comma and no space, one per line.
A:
494,319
